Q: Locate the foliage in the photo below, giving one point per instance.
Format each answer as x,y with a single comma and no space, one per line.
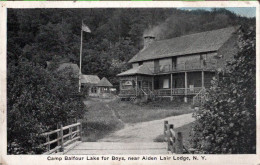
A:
43,34
227,122
37,101
38,97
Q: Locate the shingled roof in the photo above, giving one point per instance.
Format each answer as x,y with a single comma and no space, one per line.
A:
104,83
90,79
142,69
188,44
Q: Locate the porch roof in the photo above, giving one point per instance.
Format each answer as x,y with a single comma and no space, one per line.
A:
137,70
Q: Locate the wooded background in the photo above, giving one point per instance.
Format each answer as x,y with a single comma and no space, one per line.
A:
41,35
39,98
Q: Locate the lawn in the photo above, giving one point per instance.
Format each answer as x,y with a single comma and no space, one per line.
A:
132,113
104,116
98,121
185,129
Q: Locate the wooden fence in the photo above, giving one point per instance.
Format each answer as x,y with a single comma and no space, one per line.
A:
73,133
174,140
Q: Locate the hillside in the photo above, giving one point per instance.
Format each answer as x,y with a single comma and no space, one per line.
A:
41,35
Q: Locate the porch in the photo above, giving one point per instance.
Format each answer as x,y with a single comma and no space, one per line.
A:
133,86
161,92
187,66
187,85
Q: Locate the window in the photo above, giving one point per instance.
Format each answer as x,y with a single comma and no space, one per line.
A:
165,83
94,90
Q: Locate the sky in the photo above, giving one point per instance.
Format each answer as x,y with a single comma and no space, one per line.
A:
243,11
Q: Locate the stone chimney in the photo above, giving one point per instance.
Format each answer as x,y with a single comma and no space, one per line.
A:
148,39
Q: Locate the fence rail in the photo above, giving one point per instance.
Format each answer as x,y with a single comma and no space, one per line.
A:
73,134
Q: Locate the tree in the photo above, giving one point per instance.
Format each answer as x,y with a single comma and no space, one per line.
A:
37,101
36,36
227,122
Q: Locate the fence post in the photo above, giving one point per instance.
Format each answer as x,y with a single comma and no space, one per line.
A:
62,140
165,129
79,127
168,137
179,143
48,140
172,143
58,136
70,133
81,131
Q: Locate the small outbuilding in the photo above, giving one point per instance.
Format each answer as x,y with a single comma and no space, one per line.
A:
94,86
90,82
104,85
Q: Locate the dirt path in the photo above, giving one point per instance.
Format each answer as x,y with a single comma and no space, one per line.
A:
146,131
115,113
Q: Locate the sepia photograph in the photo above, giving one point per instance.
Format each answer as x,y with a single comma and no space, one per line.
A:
131,81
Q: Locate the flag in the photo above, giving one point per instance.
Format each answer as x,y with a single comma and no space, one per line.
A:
85,28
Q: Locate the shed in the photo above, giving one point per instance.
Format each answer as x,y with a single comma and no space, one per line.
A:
104,85
90,82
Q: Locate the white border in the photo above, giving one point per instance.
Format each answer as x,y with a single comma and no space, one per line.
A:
42,159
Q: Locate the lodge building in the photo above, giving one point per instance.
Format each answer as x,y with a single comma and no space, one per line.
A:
179,67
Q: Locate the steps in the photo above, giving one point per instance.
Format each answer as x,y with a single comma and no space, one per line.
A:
118,148
200,98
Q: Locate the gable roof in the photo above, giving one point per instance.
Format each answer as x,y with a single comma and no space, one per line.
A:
142,69
188,44
89,79
104,83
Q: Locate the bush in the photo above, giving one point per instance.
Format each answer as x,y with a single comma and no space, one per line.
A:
38,100
227,122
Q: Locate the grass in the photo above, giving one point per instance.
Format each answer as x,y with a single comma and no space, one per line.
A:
185,129
98,121
132,113
104,116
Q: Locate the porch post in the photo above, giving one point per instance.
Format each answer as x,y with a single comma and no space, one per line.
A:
186,86
152,83
136,84
202,79
171,87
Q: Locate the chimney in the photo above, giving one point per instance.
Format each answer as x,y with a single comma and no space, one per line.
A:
148,39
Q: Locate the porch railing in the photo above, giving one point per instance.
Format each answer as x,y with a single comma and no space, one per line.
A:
130,92
200,97
187,66
161,92
177,91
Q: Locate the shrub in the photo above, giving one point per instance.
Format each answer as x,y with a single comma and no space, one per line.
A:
38,99
227,122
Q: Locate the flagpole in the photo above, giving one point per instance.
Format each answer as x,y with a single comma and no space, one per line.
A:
80,56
